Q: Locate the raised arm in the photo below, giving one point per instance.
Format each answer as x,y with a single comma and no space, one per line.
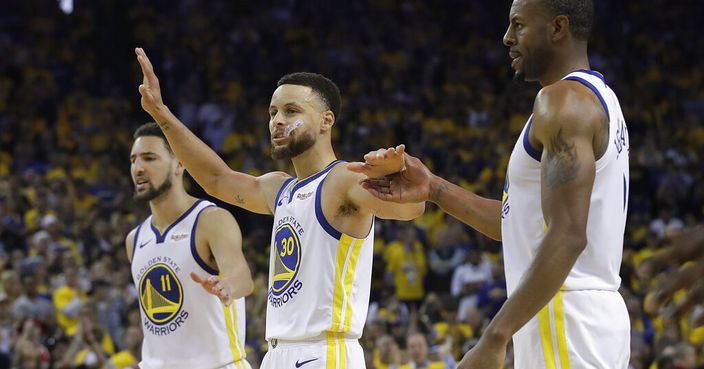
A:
219,234
255,194
415,182
565,122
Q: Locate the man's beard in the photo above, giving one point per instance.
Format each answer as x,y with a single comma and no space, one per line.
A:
295,147
152,193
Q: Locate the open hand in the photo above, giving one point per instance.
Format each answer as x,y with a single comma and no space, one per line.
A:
215,286
150,89
380,163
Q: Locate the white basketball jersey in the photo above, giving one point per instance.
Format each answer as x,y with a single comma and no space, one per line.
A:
184,326
522,225
319,278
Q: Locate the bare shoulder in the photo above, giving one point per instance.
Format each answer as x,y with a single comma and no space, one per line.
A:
129,243
270,184
213,217
568,106
340,179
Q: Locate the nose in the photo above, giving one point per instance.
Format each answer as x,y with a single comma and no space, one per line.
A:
278,119
509,37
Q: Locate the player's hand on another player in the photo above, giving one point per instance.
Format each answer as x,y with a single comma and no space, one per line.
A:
411,184
484,355
380,163
215,286
150,89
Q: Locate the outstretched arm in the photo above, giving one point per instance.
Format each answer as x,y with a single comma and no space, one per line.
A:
415,182
255,194
564,124
218,229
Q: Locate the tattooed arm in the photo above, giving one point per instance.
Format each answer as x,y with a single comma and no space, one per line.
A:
567,121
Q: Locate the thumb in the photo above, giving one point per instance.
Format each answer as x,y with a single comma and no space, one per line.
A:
357,167
197,278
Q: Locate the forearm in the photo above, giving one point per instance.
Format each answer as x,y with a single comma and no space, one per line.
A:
405,212
480,213
543,279
243,276
201,161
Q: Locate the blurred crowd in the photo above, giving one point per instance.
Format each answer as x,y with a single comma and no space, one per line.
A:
433,76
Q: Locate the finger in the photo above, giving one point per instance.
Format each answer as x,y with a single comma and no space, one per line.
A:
401,149
378,182
145,59
197,278
147,70
360,167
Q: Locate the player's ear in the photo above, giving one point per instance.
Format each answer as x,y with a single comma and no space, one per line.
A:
559,28
179,168
328,121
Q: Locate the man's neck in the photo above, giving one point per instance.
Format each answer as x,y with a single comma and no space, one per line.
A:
168,207
313,160
566,63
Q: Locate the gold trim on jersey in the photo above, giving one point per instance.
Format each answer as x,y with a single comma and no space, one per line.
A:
345,265
238,352
337,357
560,334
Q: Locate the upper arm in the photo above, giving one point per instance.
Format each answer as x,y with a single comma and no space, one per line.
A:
129,243
256,194
565,121
370,204
222,234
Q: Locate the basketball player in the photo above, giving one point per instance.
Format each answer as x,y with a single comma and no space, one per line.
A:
322,237
184,325
563,212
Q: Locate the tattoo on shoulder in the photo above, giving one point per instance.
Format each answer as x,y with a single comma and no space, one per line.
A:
562,165
239,199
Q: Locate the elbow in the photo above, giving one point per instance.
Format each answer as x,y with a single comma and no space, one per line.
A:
575,241
247,286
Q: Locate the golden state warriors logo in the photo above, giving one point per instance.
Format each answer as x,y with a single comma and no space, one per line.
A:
287,260
161,294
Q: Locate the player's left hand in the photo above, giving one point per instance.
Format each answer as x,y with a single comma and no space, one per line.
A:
484,356
380,163
215,286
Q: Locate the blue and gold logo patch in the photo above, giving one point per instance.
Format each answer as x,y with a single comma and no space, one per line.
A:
160,294
287,260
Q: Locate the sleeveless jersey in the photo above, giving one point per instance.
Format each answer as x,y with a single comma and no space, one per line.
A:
522,225
184,326
319,278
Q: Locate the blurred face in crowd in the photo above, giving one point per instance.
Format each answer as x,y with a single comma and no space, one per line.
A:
418,348
291,104
527,37
153,168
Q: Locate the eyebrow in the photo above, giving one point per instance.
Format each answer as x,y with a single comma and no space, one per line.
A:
146,153
288,104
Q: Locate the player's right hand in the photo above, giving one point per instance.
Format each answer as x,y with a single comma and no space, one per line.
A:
150,90
411,184
214,286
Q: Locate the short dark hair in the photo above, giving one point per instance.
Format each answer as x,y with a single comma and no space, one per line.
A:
579,12
323,86
152,129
